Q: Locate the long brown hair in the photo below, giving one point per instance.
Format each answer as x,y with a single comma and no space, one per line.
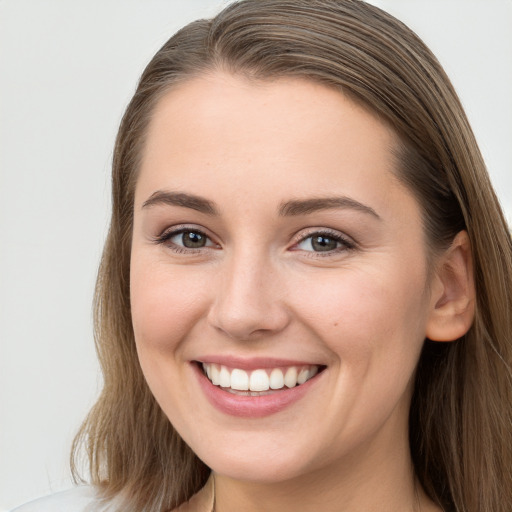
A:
461,411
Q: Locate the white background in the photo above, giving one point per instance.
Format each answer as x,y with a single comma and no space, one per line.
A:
67,70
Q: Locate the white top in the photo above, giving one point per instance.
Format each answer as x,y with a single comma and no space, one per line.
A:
79,499
84,499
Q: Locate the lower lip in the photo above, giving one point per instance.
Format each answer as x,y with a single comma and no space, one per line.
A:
251,406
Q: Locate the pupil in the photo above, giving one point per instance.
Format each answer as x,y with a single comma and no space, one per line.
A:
193,240
322,243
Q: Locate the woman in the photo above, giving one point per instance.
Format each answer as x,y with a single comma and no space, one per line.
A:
304,299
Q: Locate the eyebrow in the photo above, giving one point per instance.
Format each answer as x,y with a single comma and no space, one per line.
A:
306,206
294,207
191,201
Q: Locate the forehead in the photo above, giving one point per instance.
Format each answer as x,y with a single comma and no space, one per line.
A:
288,134
235,105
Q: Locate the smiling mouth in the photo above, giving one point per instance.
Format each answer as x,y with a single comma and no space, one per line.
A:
258,382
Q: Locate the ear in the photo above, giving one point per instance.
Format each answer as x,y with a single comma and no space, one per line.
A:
453,292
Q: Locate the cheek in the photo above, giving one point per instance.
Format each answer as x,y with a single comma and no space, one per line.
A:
165,304
367,311
373,323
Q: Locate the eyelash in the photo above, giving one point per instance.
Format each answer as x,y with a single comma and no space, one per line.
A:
346,243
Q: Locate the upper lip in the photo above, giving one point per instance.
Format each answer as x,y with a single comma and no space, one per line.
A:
254,363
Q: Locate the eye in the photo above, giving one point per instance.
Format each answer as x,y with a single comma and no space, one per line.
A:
324,242
185,239
190,239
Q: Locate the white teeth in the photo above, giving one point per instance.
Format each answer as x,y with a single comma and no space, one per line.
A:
214,370
224,378
303,376
239,380
208,370
290,378
276,379
258,380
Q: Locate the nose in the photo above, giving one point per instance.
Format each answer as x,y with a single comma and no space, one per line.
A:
249,303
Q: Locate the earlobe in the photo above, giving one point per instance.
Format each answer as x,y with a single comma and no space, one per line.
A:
453,293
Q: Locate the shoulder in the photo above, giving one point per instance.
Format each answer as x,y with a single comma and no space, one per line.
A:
84,499
79,499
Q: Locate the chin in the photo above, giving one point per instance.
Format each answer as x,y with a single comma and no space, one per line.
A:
267,461
257,471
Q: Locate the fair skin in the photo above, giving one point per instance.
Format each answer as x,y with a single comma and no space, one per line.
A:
239,260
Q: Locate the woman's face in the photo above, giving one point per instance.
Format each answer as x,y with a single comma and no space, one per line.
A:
274,247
